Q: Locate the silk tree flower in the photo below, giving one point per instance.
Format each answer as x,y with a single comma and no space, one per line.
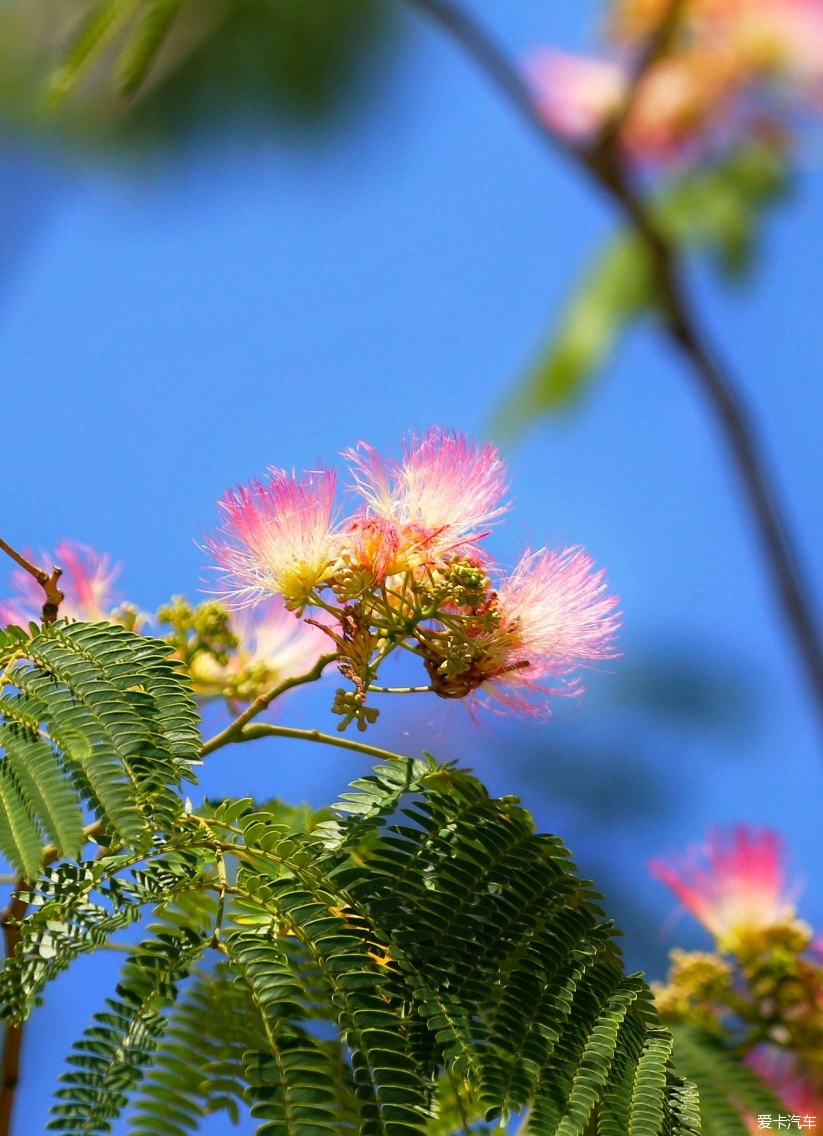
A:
575,93
277,537
550,617
86,584
735,885
734,69
679,98
272,645
757,41
438,500
794,1086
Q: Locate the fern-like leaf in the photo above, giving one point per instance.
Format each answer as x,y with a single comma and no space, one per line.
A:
109,1059
145,43
728,1089
96,716
94,35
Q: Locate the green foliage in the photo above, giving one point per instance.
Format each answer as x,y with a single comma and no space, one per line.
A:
716,211
156,20
416,961
131,71
108,1060
75,908
91,714
96,30
728,1089
198,1067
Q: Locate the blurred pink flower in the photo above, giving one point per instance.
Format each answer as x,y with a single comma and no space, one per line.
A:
575,93
277,537
735,883
795,1088
679,99
273,644
86,584
555,616
782,38
440,497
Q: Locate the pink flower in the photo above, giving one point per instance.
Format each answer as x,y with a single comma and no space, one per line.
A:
86,584
795,1088
273,644
782,38
555,616
277,537
575,93
680,98
735,883
440,498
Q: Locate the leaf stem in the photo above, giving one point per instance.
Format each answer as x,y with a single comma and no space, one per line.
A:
271,730
234,729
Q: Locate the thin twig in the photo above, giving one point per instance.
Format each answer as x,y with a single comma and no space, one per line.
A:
14,911
271,730
462,28
680,325
46,580
233,730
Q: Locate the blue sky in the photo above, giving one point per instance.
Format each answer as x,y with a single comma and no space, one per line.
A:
168,330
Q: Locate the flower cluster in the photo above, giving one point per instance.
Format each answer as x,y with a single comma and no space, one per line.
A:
239,656
406,569
236,656
728,67
762,988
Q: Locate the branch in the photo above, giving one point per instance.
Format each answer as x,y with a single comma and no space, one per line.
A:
270,730
680,325
46,580
14,911
462,28
233,730
655,48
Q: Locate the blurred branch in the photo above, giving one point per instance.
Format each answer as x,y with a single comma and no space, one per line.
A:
654,49
604,166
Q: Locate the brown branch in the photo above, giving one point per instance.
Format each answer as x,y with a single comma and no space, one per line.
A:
680,325
655,48
46,580
12,1034
14,911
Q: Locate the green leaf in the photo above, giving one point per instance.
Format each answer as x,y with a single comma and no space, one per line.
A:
100,25
424,961
109,1059
716,211
96,716
155,23
198,1068
728,1089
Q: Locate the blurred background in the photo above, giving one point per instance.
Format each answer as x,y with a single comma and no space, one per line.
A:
334,230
